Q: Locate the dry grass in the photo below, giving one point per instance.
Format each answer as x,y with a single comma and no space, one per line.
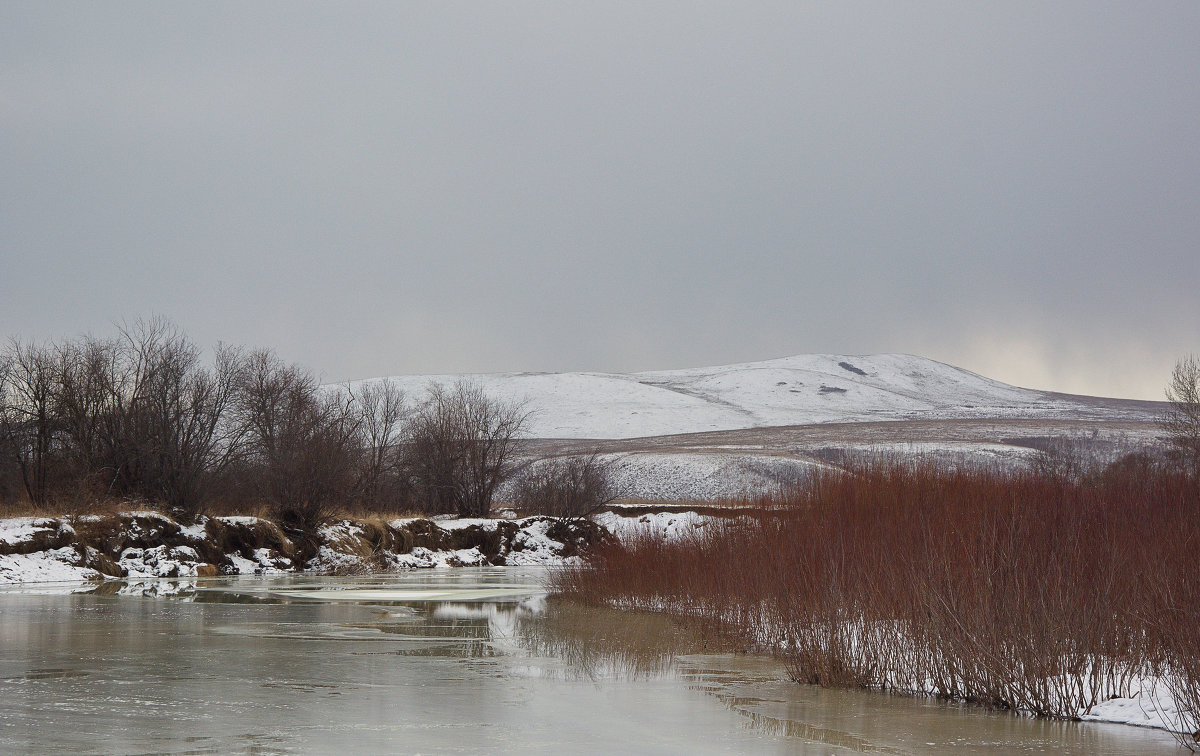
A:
70,506
382,517
1014,590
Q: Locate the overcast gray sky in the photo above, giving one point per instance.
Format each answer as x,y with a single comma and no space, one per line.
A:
447,187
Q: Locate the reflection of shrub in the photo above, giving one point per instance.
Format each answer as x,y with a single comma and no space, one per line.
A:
567,486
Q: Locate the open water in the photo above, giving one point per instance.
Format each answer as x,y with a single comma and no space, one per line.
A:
449,661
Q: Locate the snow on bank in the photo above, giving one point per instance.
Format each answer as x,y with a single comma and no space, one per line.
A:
19,531
1150,704
144,545
534,546
64,565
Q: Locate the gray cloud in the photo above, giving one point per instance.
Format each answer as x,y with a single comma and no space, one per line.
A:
384,188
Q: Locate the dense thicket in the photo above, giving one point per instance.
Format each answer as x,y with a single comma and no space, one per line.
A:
1023,590
146,416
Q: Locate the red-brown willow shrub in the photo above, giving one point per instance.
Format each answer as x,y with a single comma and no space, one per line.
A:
1016,590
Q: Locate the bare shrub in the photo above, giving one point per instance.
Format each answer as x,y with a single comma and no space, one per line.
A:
567,487
1015,590
1064,457
461,446
28,420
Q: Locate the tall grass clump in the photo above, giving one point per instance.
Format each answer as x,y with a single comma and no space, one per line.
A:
1017,590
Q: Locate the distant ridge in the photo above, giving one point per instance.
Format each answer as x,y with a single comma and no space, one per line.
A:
799,390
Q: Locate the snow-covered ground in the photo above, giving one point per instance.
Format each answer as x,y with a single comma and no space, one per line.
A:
704,476
799,390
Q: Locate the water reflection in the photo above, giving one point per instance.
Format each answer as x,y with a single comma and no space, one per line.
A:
599,643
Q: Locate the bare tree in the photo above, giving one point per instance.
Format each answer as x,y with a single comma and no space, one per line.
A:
8,455
1182,421
143,416
300,442
567,487
383,411
190,432
432,454
93,401
27,414
461,447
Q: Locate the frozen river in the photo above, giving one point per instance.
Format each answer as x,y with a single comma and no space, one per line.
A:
450,661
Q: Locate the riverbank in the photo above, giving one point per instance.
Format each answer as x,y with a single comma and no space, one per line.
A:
147,544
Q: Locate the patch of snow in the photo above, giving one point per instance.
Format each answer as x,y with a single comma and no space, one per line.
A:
1149,705
16,530
533,546
423,558
242,565
148,514
418,557
339,531
195,532
240,520
466,522
270,560
266,563
471,557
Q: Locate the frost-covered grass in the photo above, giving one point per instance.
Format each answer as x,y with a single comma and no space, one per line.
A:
1018,591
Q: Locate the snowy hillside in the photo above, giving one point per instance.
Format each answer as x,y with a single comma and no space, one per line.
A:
798,390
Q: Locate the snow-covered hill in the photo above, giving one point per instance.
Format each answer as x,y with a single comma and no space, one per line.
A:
804,389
